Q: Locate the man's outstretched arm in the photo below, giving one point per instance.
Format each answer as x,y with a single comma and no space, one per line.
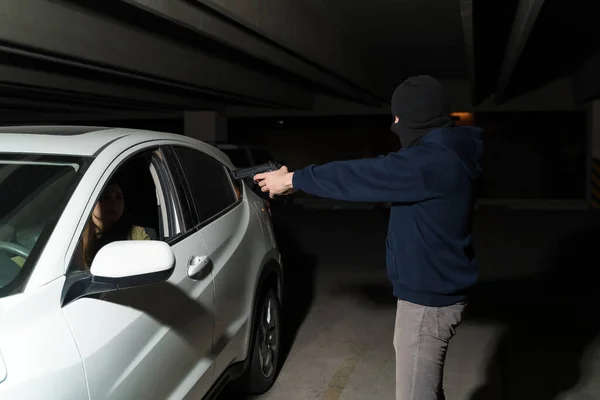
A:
396,177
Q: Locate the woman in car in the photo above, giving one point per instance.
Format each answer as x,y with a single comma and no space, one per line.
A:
108,223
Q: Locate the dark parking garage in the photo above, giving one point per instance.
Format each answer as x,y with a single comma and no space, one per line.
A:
311,82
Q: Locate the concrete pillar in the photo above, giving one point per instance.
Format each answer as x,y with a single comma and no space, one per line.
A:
207,126
593,181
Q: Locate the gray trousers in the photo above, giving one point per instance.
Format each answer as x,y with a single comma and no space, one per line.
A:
421,338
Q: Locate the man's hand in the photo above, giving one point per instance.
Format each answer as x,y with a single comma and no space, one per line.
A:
276,182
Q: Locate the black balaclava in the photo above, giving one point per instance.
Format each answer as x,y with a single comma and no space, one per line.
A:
421,105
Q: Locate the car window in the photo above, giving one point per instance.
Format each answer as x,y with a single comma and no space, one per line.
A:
35,190
136,203
208,180
168,176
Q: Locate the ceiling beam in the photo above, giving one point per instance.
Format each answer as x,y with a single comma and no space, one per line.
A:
196,20
307,30
466,15
525,18
68,33
586,80
23,117
57,88
31,104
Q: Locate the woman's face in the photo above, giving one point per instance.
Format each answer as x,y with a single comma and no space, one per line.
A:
110,206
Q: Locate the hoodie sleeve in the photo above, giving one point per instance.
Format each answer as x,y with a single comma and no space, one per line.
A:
395,177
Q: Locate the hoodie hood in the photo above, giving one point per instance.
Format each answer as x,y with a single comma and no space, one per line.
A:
464,142
411,135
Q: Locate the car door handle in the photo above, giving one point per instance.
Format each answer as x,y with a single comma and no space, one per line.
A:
197,265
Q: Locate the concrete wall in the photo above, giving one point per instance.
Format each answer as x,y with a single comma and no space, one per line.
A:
300,147
556,96
532,155
593,156
318,144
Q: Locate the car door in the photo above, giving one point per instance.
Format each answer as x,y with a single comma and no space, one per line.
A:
233,236
155,341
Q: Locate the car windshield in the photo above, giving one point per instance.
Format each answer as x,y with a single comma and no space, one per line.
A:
35,189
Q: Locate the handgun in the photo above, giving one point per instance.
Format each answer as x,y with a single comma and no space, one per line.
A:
249,172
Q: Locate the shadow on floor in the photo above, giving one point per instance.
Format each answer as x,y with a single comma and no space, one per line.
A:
299,269
299,286
552,320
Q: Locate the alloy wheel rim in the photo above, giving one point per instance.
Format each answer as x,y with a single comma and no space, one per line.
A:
268,340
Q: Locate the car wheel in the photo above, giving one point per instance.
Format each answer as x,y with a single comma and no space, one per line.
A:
264,363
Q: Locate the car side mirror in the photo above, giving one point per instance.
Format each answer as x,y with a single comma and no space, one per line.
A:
132,263
121,265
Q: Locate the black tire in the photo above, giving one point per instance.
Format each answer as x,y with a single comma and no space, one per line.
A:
257,380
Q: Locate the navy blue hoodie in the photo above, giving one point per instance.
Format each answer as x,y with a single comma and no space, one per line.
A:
429,254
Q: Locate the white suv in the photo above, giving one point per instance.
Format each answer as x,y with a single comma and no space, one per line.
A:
183,300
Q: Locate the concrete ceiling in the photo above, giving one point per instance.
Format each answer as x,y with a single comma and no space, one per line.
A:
84,57
407,37
519,45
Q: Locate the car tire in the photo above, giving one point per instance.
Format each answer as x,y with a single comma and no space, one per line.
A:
263,366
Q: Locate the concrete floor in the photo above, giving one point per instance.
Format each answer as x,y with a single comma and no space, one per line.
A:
531,331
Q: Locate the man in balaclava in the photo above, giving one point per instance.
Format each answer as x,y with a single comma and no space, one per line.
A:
418,105
429,257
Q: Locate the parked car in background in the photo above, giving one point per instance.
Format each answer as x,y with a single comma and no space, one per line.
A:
187,299
243,156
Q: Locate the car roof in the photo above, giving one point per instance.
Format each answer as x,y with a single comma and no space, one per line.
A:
67,140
